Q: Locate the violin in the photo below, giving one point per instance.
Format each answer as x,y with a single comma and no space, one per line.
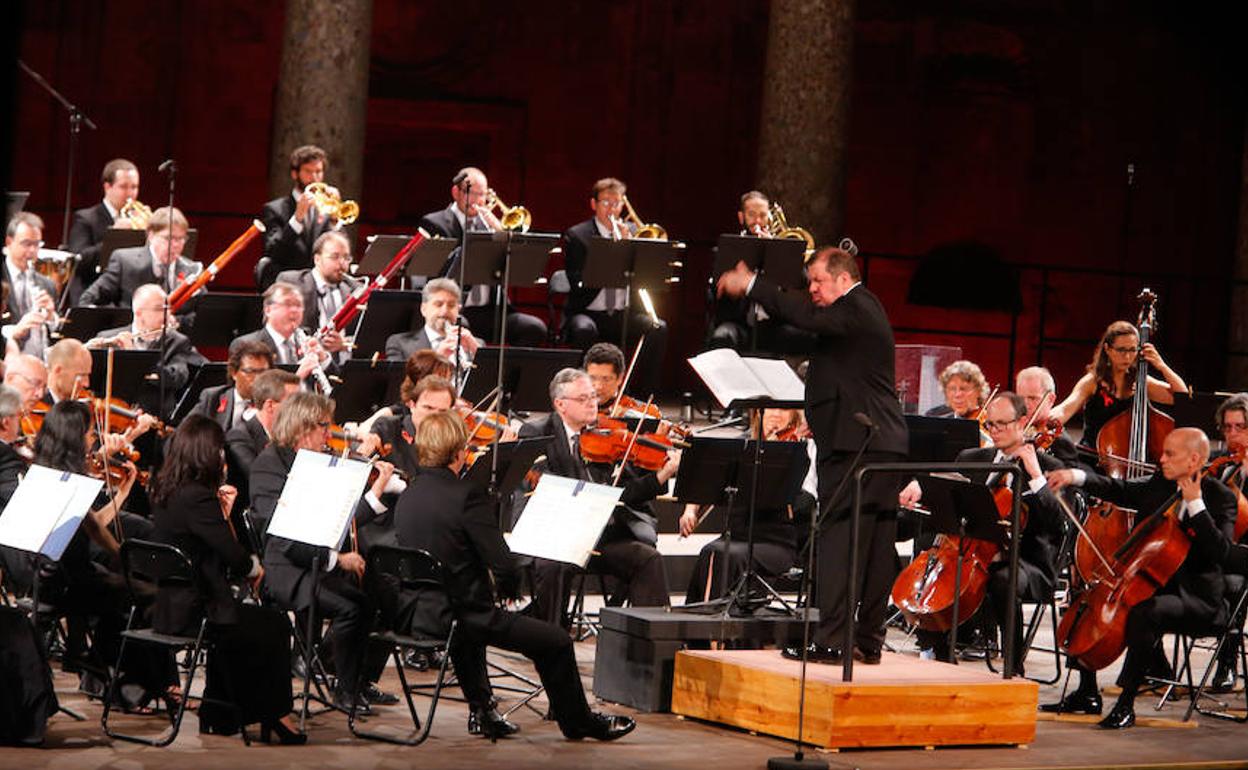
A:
1044,434
484,427
341,441
610,441
799,432
1216,467
115,471
627,406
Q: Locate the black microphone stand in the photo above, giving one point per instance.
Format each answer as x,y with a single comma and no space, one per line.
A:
169,167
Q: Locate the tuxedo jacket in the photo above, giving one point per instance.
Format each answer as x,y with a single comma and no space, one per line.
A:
285,248
217,403
311,299
442,223
18,565
127,270
397,431
400,347
191,520
575,251
1199,580
180,355
632,520
242,445
86,235
851,368
41,280
262,335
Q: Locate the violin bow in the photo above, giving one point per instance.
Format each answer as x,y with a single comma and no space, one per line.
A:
628,373
619,469
101,431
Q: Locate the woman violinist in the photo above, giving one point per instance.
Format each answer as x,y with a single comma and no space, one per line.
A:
965,390
1191,601
249,660
1106,390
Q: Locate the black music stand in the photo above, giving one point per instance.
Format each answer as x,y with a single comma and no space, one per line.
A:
366,387
431,258
208,375
965,509
939,439
525,377
515,458
502,260
718,471
220,318
1198,411
387,312
136,378
780,259
649,263
85,322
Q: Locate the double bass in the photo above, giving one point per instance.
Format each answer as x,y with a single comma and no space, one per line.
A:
1128,445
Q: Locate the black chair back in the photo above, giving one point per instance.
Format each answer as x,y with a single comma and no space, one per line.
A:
159,564
412,567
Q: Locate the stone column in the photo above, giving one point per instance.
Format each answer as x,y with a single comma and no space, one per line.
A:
322,90
1237,336
804,131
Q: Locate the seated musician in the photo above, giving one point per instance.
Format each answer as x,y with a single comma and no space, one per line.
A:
16,565
1106,390
120,180
250,645
1006,416
292,223
422,398
32,297
627,549
775,536
467,210
325,287
456,523
442,333
245,442
1232,419
228,404
599,314
144,333
1035,384
282,332
303,423
1193,600
965,389
159,262
28,376
418,366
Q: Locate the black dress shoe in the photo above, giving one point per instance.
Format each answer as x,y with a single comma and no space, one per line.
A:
603,727
1120,717
815,653
285,736
1076,703
869,657
342,701
377,697
491,724
1223,681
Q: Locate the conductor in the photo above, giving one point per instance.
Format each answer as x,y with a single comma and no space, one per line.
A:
850,385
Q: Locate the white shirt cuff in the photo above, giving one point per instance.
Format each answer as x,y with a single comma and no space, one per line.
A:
295,224
255,566
1078,477
1195,507
333,561
1037,484
373,502
750,286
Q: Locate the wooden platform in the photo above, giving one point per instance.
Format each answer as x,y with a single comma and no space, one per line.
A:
903,701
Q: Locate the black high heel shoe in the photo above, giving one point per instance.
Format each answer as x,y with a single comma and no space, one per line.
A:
285,736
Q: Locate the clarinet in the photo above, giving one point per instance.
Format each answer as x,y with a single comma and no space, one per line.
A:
318,371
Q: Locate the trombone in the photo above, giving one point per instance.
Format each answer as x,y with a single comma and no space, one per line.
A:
331,205
779,227
652,231
513,217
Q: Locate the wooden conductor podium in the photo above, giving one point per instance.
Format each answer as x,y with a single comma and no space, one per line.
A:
904,701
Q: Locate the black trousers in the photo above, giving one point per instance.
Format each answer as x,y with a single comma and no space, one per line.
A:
637,565
589,326
351,611
523,330
707,580
248,664
1147,622
546,644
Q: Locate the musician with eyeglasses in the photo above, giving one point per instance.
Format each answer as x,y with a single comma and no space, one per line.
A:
1232,419
593,314
325,287
120,180
283,334
468,211
228,404
31,303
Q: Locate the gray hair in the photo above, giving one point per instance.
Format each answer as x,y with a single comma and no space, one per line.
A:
1040,373
439,285
10,402
143,292
1237,402
23,218
565,377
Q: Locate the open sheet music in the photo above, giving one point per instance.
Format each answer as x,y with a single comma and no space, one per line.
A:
319,499
730,377
564,519
46,510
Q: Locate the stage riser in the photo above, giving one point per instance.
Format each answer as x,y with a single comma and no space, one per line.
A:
904,702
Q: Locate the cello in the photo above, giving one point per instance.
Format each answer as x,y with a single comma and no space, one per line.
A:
1128,445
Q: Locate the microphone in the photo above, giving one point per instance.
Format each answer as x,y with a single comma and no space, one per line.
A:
169,165
864,421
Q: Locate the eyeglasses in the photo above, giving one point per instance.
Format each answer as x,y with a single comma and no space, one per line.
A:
30,244
585,399
31,381
1125,351
997,424
609,204
1233,427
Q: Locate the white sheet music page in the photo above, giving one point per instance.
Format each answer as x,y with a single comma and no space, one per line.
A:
781,382
727,376
564,519
46,510
319,499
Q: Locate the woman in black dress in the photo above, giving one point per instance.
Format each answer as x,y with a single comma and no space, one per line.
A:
249,661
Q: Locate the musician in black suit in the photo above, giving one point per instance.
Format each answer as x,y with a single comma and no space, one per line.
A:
17,565
159,262
303,423
325,287
599,314
31,296
627,549
455,522
850,374
86,233
282,333
245,442
468,195
1192,601
228,403
439,306
292,222
250,651
422,398
1232,419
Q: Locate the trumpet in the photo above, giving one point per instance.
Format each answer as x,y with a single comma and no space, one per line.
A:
652,231
331,205
136,213
779,227
513,217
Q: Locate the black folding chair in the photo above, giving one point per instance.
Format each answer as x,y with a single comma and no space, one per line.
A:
1231,635
164,566
413,570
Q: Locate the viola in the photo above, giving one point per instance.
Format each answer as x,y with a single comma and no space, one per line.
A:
1044,434
1216,468
115,471
121,416
627,406
341,440
484,427
610,441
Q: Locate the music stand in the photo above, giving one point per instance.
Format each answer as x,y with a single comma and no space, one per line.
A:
965,509
515,458
716,471
13,203
208,375
525,378
85,322
366,387
607,260
502,260
431,258
220,318
940,439
780,259
1198,411
388,312
136,376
